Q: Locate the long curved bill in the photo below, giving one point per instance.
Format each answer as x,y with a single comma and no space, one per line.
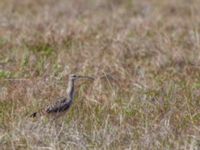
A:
86,77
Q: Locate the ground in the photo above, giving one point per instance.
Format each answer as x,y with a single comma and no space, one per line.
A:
144,54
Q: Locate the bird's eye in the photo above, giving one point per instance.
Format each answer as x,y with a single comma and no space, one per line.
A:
74,76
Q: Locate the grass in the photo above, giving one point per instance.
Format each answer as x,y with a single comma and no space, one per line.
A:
148,52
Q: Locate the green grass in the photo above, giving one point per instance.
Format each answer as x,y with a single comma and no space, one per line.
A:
5,74
148,52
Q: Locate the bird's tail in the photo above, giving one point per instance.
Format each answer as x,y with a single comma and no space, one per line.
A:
33,115
39,113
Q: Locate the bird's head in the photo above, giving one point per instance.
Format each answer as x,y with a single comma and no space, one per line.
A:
74,77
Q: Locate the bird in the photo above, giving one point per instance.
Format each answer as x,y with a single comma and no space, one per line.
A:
64,103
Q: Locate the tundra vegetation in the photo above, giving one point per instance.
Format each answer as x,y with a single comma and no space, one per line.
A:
146,51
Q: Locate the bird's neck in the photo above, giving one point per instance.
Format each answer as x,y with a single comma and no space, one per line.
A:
70,90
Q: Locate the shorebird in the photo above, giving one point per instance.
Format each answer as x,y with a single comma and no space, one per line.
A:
63,104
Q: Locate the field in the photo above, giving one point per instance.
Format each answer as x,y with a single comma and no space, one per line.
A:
144,55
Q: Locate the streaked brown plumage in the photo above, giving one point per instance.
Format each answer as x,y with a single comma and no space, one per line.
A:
62,104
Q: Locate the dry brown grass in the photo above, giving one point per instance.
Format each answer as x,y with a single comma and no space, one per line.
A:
150,49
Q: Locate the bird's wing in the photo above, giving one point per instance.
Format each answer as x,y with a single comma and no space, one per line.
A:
60,105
